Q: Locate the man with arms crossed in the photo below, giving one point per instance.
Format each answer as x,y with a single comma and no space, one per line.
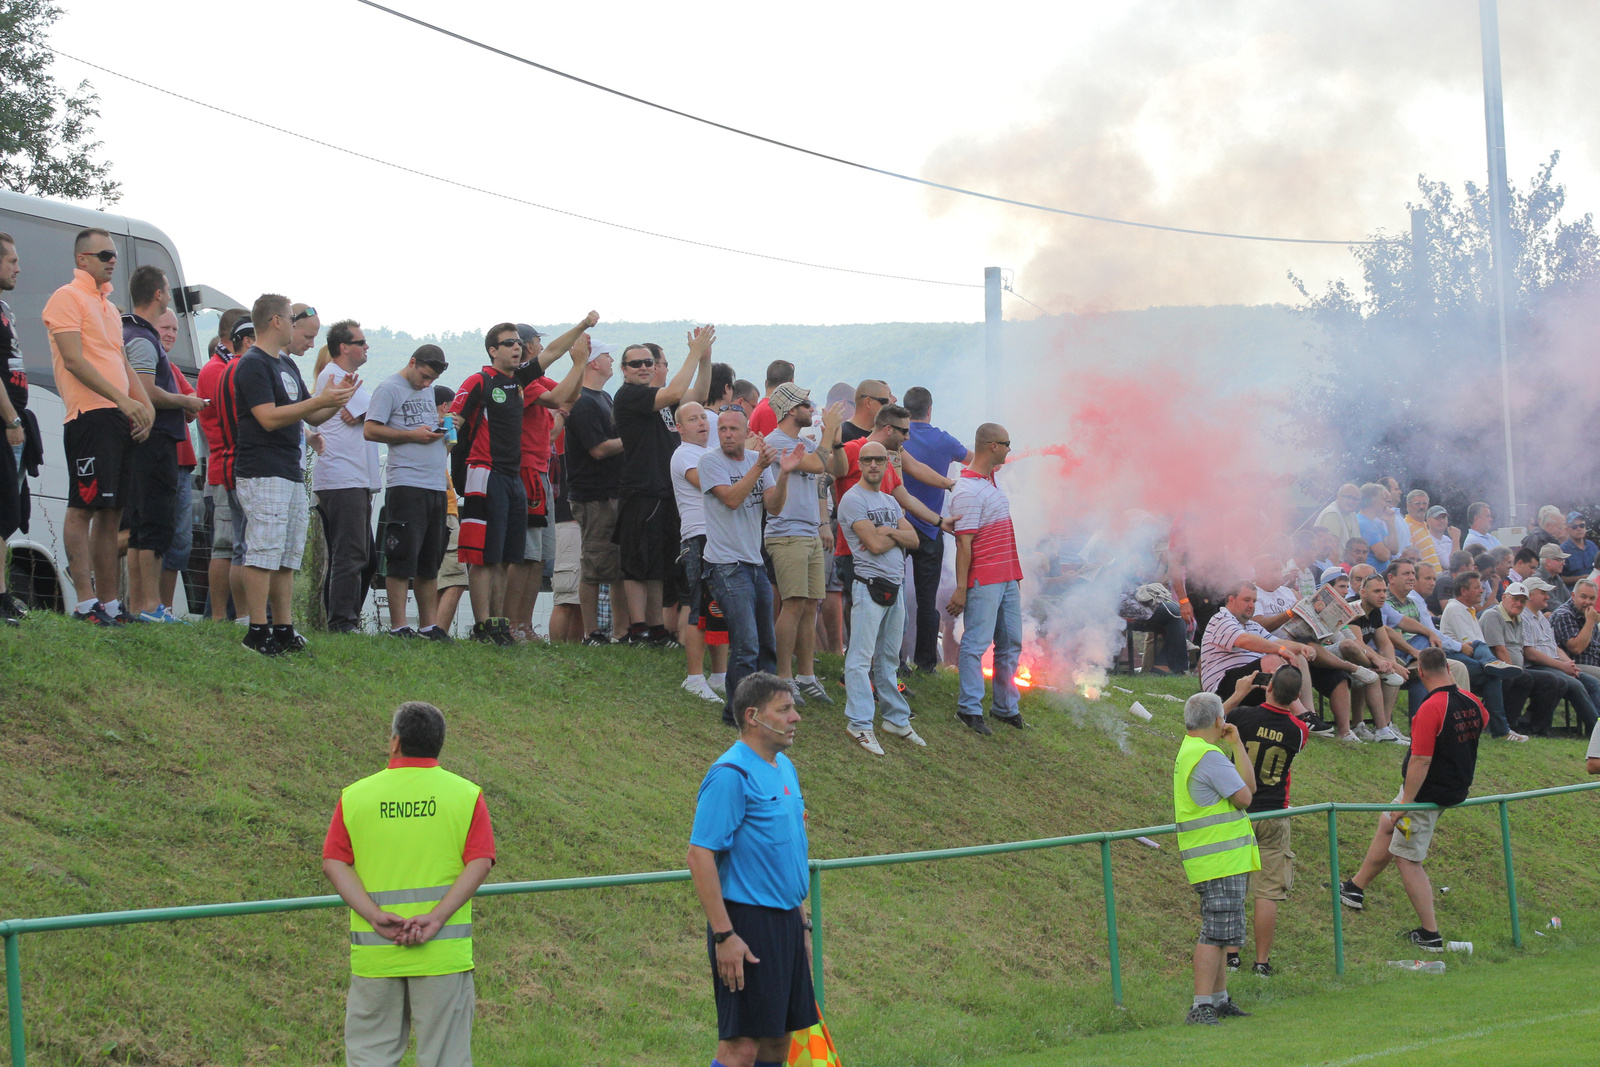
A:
407,848
1273,736
272,402
879,538
1437,769
748,856
108,414
1213,782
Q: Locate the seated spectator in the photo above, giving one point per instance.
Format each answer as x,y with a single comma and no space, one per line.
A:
1416,525
1552,529
1502,631
1501,558
1303,568
1494,680
1235,646
1377,525
1375,651
1327,549
1543,654
1339,517
1445,577
1581,551
1479,519
1524,562
1356,551
1446,539
1573,624
1416,627
1492,585
1394,501
1552,562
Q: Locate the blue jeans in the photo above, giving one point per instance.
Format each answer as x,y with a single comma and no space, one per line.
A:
177,555
993,617
874,656
745,596
1485,683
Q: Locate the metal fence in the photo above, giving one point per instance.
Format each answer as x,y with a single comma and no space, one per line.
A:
13,929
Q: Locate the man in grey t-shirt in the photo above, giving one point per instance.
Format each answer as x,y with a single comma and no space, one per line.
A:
878,533
402,415
736,484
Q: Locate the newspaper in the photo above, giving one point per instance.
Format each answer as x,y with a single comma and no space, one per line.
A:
1320,616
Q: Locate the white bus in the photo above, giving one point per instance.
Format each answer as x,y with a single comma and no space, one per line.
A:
44,232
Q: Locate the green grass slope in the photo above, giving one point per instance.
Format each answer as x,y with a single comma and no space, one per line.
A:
160,766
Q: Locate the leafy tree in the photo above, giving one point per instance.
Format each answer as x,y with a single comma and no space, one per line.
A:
1410,383
44,132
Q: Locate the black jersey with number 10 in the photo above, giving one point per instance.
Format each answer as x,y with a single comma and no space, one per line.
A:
1273,737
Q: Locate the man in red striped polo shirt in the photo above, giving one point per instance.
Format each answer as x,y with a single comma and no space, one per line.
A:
988,574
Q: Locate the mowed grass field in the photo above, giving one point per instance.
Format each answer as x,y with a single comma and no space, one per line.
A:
1537,1011
160,766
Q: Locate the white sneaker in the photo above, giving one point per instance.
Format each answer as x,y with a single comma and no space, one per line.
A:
1364,732
697,684
865,739
1389,734
1351,737
1363,676
906,732
1514,736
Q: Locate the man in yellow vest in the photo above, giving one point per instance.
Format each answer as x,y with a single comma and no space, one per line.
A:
1213,782
407,848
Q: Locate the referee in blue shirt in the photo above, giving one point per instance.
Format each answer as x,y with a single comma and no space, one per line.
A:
748,856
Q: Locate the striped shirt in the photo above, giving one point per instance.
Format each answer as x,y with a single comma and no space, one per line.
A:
980,508
1218,655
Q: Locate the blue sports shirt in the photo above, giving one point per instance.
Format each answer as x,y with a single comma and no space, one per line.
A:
756,824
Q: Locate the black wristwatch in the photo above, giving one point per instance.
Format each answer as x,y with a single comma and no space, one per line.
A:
720,938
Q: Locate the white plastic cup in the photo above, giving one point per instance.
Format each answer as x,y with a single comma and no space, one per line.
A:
1459,946
1138,709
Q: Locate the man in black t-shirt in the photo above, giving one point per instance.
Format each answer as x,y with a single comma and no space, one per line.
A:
13,402
1273,736
647,514
272,402
594,472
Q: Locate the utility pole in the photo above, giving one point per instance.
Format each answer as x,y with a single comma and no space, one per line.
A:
992,321
1494,121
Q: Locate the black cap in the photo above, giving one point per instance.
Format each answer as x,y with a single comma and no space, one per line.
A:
527,333
443,394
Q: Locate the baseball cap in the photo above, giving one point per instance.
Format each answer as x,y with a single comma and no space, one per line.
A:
1576,516
1536,584
443,394
786,397
1332,574
526,332
1552,552
597,349
1515,589
242,327
1438,509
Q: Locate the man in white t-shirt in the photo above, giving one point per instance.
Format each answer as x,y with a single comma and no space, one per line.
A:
693,429
344,480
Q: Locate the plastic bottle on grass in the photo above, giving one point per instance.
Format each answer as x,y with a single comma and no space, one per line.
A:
1420,966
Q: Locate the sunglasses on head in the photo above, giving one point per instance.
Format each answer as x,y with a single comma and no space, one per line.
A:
434,365
311,313
635,364
104,256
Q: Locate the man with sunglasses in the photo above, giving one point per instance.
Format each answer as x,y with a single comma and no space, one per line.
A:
647,532
107,413
872,396
594,471
346,474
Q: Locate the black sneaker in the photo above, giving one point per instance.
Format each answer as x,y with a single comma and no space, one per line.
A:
289,639
1263,970
437,633
263,642
974,723
1014,721
482,632
599,637
97,616
1427,941
404,631
11,607
1321,728
1351,896
661,637
1233,961
1204,1015
1229,1010
638,636
500,632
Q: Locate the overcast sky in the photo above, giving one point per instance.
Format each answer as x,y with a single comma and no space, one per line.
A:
1276,117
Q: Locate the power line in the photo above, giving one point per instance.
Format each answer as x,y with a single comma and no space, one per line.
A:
506,196
1007,288
464,39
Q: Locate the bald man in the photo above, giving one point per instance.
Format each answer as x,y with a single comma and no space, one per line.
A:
872,396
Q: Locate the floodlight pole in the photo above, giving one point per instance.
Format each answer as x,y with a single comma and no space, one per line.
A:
992,320
1499,237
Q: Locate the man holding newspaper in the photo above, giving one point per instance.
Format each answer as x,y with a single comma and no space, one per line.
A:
1236,645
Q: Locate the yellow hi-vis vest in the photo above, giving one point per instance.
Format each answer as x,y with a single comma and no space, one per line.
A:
1216,840
407,828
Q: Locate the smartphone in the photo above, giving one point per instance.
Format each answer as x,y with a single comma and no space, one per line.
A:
1263,678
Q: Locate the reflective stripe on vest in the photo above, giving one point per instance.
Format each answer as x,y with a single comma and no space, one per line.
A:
408,826
1216,840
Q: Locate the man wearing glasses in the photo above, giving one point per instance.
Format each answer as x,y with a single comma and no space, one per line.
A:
107,414
872,396
345,477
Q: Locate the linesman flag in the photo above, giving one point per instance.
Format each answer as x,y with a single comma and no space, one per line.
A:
814,1047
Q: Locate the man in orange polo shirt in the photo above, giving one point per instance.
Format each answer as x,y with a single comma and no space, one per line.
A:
107,413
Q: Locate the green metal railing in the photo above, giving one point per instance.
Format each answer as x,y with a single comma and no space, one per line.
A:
13,929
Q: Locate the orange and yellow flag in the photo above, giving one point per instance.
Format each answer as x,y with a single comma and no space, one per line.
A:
814,1047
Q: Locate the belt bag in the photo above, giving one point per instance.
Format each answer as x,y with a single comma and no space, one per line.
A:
883,592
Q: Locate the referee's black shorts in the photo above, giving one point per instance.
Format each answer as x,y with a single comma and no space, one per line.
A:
777,998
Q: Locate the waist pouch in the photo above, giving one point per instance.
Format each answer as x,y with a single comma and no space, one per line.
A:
883,592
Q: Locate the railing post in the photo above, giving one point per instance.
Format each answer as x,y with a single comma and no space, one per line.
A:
1111,922
19,1041
1511,874
1334,880
816,933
